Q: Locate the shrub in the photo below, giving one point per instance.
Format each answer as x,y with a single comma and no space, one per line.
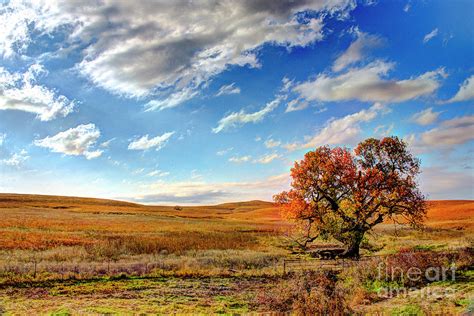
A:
407,268
310,293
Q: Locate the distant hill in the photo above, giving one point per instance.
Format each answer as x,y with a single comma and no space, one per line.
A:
441,213
44,200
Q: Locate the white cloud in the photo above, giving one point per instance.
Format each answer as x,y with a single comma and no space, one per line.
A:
357,50
383,130
224,151
228,89
139,48
425,117
20,91
240,118
172,100
158,173
287,84
74,141
445,136
428,37
195,175
16,160
407,7
369,83
465,92
345,130
271,143
139,171
296,105
3,136
15,23
267,158
144,142
450,132
240,159
107,143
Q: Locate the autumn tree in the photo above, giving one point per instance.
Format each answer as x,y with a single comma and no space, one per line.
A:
342,194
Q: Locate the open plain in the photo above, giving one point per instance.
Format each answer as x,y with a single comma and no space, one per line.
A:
66,255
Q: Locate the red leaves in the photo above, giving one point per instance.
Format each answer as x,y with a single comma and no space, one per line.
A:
334,186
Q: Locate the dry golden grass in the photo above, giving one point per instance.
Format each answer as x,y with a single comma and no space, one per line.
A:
451,214
42,222
38,222
56,240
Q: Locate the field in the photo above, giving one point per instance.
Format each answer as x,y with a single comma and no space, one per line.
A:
64,255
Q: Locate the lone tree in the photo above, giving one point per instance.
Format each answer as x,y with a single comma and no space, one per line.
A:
339,194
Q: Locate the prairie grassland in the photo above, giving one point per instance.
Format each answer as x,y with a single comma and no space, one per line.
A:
93,256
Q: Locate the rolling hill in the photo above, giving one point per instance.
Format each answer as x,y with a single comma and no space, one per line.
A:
441,213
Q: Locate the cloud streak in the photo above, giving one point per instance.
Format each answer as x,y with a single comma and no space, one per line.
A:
236,119
145,142
240,159
228,89
425,117
345,130
428,37
357,50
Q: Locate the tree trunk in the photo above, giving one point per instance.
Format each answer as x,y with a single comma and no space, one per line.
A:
353,246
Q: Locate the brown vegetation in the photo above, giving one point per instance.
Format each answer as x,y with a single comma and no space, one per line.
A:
46,243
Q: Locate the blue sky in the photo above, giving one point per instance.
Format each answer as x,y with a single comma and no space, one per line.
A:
211,101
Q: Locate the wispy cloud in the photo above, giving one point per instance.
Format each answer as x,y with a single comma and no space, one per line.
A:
407,7
158,173
345,130
357,50
224,151
296,105
107,143
236,119
172,100
240,159
271,143
425,117
266,159
228,89
16,160
145,142
465,92
428,37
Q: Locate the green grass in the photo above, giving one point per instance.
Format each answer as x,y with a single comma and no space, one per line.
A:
408,310
137,295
